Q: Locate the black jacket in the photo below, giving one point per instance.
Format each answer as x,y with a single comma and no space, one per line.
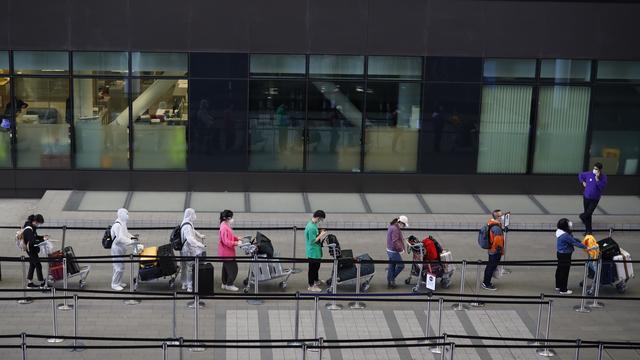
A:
31,238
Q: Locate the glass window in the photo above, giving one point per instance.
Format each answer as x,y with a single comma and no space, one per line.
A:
4,62
101,119
41,62
565,69
42,126
616,129
5,123
208,65
278,65
395,67
391,134
454,69
276,124
218,126
335,125
449,136
509,69
336,66
100,63
160,111
158,64
618,70
504,129
561,128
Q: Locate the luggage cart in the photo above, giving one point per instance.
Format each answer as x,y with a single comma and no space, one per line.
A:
418,269
263,267
55,270
159,264
346,271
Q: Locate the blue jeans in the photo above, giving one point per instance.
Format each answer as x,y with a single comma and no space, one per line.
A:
394,268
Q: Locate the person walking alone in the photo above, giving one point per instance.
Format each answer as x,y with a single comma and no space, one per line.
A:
395,248
495,250
593,182
313,239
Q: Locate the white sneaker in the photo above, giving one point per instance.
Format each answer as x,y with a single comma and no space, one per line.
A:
189,289
224,287
314,288
184,287
568,292
123,285
231,288
117,288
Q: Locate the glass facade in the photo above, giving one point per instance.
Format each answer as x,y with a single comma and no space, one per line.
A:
317,113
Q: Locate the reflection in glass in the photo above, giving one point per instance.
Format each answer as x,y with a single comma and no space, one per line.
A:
100,63
619,70
335,125
218,126
449,142
616,129
41,62
395,67
101,118
509,69
4,62
565,69
215,65
336,66
393,119
277,65
276,123
158,64
42,126
561,129
160,111
504,129
454,69
5,123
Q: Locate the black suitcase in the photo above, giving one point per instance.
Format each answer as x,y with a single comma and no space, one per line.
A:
166,260
150,273
72,263
366,268
608,248
205,279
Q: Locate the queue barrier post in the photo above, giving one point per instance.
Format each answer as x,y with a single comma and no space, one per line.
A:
538,321
357,305
443,349
296,327
196,278
64,306
174,320
452,348
295,270
597,278
23,345
332,305
600,351
320,344
164,351
578,344
196,347
427,328
316,315
77,345
581,308
132,301
460,306
477,302
25,300
64,235
180,352
507,219
304,351
436,349
546,351
54,316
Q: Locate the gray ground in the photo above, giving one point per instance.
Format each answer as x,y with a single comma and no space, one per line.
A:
239,320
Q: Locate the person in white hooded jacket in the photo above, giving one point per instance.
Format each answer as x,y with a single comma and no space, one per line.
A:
121,240
192,247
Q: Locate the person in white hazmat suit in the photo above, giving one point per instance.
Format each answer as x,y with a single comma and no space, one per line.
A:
121,240
192,247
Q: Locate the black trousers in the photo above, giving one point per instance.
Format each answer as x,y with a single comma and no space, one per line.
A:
589,207
492,265
229,272
314,267
562,271
34,264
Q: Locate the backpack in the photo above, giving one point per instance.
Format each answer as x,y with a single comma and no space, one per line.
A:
176,237
484,239
265,247
107,240
20,244
439,248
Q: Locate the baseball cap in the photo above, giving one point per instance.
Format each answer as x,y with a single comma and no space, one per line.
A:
403,219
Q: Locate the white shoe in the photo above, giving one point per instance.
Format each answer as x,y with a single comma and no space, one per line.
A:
568,292
189,289
231,288
314,288
117,288
123,285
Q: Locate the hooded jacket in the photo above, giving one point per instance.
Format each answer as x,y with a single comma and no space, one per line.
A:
120,233
189,234
565,242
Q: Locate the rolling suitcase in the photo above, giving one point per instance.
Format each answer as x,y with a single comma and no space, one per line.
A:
366,268
445,257
624,268
150,273
205,279
72,263
55,267
166,261
608,248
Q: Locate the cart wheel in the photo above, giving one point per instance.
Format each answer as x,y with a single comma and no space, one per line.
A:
245,290
589,292
365,287
621,288
245,281
283,285
172,283
408,281
82,284
414,289
329,290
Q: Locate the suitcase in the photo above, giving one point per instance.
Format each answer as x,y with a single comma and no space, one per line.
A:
166,260
345,261
366,268
150,273
205,279
445,257
148,257
607,275
72,264
608,248
624,268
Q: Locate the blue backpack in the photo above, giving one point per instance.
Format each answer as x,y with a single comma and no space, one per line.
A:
484,239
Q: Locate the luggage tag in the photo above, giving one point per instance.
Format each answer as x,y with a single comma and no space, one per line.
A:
431,282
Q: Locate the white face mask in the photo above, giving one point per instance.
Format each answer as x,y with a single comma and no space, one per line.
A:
230,221
595,172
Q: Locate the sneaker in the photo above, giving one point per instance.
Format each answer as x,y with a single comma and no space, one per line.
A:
123,285
319,283
117,288
489,287
32,285
189,289
224,287
231,288
557,289
391,285
568,292
314,288
184,286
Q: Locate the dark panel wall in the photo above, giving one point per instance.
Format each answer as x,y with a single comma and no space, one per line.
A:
482,28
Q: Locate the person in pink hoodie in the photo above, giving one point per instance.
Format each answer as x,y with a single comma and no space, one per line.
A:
227,248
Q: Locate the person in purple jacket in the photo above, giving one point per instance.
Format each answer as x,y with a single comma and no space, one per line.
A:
395,248
593,182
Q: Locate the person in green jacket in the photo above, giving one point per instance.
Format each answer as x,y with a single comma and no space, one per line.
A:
314,249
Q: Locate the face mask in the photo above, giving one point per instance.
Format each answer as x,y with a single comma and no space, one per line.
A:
595,172
501,219
230,221
570,226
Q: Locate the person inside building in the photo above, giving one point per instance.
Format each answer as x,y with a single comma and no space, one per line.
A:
227,248
32,241
192,246
395,248
593,182
313,240
495,250
122,239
